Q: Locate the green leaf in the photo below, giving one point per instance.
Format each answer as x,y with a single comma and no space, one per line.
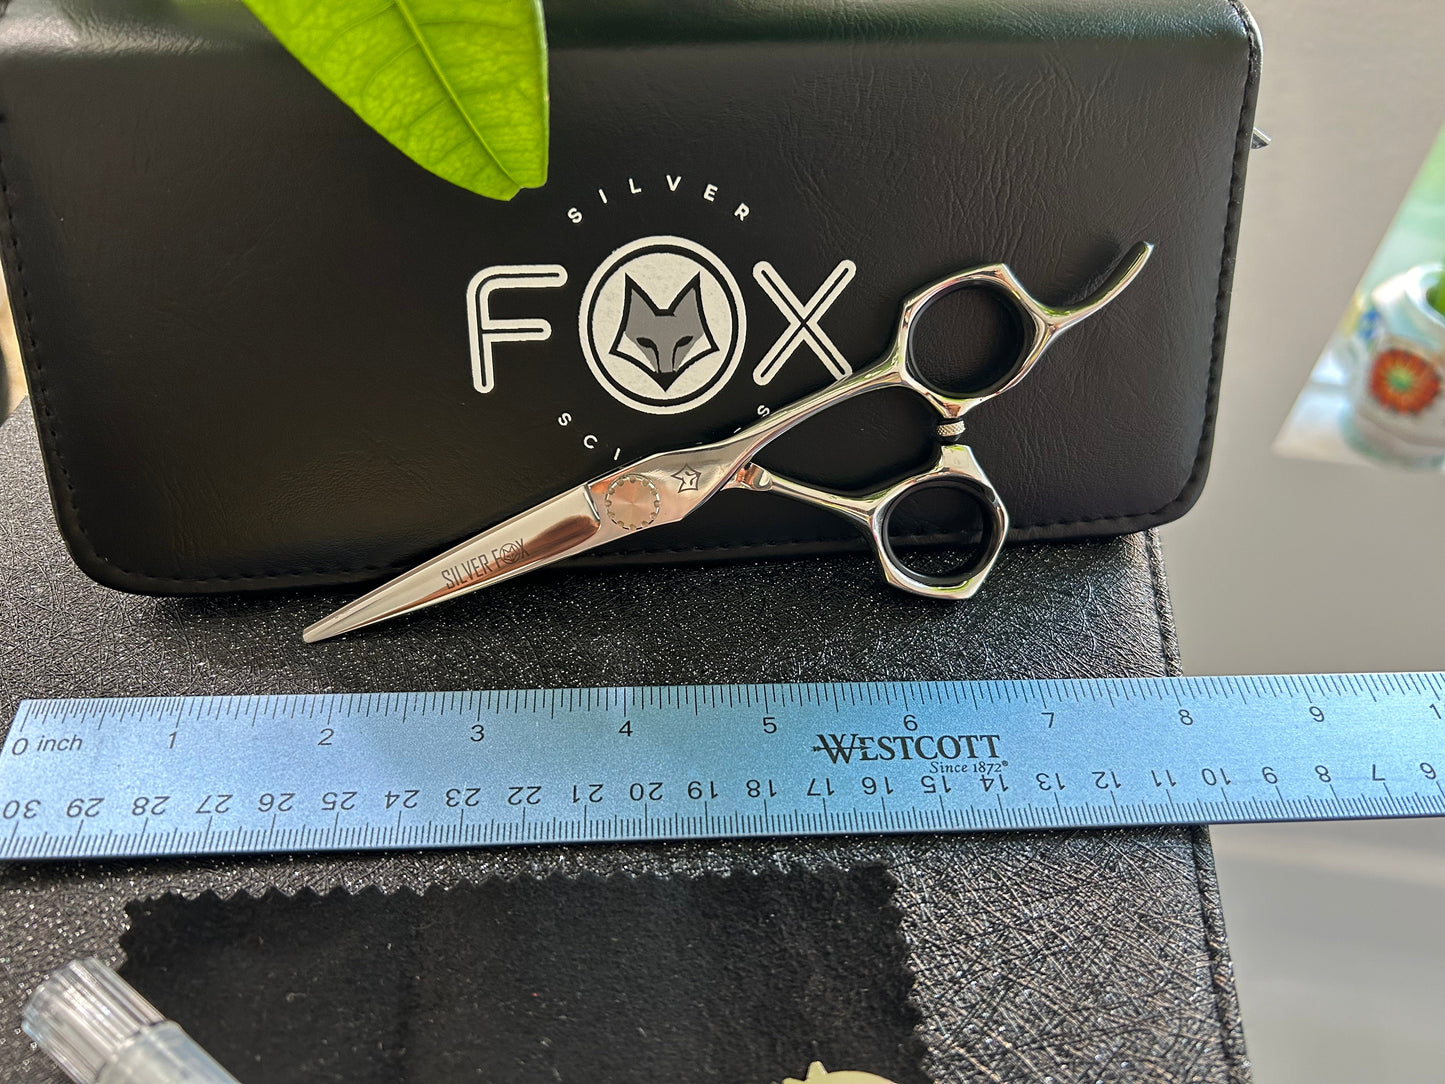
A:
460,86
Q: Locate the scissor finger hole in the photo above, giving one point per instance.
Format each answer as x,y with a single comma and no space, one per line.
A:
941,533
968,341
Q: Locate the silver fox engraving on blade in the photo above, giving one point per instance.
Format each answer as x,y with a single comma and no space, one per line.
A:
664,342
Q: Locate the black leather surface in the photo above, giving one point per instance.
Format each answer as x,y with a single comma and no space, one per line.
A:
244,318
1079,956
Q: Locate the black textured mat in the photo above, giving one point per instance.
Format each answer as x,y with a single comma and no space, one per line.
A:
598,980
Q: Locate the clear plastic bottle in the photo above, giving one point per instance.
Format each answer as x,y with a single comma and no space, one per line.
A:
100,1031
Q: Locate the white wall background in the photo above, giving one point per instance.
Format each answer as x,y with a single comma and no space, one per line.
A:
1289,565
1286,565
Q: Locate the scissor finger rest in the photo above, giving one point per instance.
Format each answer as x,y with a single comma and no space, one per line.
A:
1041,324
875,513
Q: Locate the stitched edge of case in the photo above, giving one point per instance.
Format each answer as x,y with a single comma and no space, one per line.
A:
103,569
1163,606
1221,964
1216,943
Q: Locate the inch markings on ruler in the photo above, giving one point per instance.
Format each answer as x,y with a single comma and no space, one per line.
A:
374,771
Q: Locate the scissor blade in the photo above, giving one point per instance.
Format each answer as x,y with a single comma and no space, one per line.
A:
558,528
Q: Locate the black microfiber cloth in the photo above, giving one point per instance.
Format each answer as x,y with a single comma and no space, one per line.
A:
742,979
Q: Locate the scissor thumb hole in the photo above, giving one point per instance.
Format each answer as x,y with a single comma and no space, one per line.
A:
969,340
942,532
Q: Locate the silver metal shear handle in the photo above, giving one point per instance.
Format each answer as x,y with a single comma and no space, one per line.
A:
956,469
1042,324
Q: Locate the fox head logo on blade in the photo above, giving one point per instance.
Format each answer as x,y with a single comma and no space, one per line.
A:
664,341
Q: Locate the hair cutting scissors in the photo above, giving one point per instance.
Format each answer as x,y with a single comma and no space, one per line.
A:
668,487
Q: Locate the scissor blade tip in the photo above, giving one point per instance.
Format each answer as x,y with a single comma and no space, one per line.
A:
319,631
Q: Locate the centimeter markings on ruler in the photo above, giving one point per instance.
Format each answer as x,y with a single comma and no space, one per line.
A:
270,774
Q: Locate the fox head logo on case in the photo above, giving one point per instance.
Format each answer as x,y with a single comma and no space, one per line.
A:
663,341
662,324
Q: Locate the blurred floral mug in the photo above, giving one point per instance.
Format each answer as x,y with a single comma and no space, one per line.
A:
1397,392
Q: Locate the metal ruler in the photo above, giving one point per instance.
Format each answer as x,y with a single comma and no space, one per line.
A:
270,774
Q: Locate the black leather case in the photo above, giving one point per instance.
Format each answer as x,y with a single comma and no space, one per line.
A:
257,336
